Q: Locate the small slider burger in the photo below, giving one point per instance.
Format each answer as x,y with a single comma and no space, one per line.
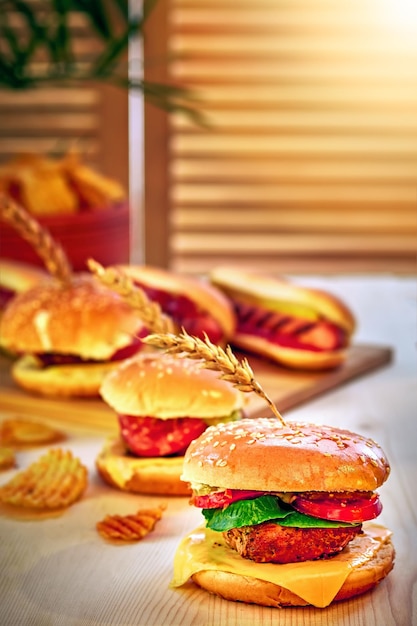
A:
193,304
297,327
67,335
287,510
162,403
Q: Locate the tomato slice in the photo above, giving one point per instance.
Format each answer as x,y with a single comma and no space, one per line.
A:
153,437
222,499
354,509
130,350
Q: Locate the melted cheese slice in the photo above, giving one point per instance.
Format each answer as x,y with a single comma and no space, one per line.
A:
317,582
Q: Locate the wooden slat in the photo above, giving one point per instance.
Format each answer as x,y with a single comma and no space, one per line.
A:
310,152
254,219
50,98
286,195
321,169
267,243
340,263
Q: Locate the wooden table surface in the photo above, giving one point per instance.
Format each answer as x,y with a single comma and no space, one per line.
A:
58,571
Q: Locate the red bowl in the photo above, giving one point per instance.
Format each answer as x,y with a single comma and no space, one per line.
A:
102,234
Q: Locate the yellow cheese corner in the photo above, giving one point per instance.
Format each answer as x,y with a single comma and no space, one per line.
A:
317,582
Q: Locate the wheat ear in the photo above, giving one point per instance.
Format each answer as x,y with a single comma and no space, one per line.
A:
49,250
150,312
238,373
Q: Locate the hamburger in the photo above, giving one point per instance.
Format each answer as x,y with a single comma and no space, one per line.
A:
289,514
162,403
192,303
16,277
295,326
66,336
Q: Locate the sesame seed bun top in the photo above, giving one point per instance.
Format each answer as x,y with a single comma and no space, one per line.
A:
167,386
81,318
260,454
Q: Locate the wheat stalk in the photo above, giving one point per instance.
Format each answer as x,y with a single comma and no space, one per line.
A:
238,373
49,250
149,311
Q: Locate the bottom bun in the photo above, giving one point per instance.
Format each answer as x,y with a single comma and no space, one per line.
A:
75,380
255,591
149,475
290,357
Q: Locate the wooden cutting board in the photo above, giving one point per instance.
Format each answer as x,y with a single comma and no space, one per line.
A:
286,388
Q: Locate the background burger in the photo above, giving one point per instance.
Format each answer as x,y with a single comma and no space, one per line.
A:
193,304
162,403
298,327
68,335
287,510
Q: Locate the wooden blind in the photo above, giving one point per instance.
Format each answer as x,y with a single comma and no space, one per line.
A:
50,120
309,161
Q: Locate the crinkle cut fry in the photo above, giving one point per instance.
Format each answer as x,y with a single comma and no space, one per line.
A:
130,527
55,481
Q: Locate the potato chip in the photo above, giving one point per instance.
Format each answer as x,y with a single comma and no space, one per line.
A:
47,186
7,458
95,190
20,431
44,191
55,481
130,527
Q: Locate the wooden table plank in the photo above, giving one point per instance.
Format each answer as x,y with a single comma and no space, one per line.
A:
287,389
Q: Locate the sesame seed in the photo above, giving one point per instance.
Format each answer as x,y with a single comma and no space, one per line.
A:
232,446
250,441
221,463
216,443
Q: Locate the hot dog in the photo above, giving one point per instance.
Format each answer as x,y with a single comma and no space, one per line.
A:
193,304
298,327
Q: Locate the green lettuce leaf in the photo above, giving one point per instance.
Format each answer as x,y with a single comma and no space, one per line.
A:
262,509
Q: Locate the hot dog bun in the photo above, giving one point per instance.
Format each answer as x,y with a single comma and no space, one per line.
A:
268,294
16,277
207,299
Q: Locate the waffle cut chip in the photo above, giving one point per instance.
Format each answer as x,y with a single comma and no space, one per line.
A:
22,432
130,527
55,481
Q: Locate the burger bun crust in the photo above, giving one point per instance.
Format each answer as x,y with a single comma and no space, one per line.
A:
159,476
167,386
263,455
65,381
235,587
82,318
